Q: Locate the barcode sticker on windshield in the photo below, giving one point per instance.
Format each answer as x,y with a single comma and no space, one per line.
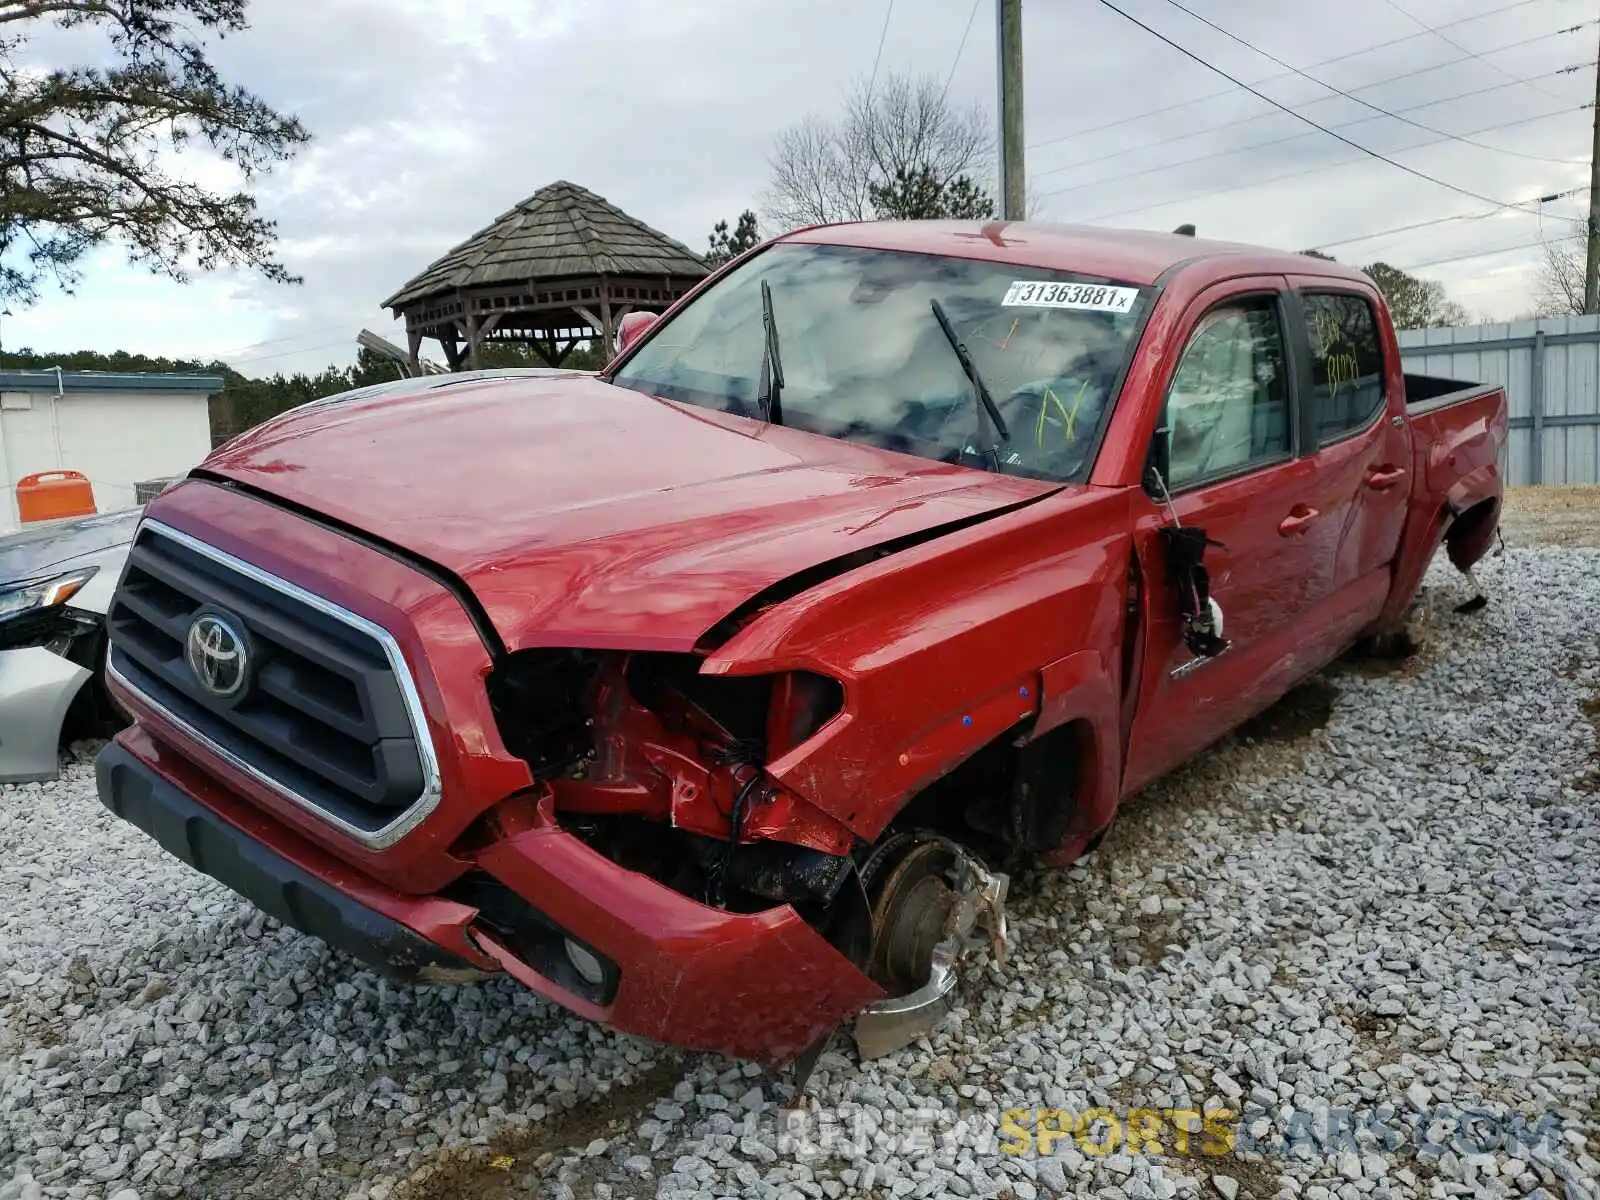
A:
1094,297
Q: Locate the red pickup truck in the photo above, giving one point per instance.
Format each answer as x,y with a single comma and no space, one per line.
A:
712,697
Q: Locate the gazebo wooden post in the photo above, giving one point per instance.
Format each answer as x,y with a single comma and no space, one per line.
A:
608,333
596,323
454,354
414,349
474,343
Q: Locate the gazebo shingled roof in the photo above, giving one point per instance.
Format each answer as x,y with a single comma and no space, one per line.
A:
562,267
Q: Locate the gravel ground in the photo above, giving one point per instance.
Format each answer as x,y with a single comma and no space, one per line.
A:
1369,916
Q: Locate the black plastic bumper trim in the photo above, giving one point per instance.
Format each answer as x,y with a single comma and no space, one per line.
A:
193,833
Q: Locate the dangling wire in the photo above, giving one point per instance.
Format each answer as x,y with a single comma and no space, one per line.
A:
1166,496
745,754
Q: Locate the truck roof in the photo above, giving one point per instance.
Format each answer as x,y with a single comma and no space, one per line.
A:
1137,256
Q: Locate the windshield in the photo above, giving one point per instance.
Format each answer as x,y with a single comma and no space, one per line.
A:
864,356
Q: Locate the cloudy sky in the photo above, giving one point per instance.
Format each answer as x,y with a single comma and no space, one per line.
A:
431,117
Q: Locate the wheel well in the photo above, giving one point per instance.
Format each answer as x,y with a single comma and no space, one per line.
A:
1467,538
1015,798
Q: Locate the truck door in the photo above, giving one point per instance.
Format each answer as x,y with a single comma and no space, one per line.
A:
1354,402
1232,422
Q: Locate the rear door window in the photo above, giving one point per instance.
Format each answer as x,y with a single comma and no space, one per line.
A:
1346,363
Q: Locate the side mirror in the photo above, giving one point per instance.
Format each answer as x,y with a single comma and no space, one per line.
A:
633,327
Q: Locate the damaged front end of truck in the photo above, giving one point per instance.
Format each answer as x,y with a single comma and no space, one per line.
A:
662,769
686,844
726,748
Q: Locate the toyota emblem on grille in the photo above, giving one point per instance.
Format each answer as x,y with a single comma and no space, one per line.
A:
217,654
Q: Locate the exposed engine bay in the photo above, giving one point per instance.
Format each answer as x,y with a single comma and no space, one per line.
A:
662,770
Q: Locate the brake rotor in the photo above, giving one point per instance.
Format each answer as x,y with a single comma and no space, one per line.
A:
911,905
926,896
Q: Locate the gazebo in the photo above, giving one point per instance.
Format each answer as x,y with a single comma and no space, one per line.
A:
563,267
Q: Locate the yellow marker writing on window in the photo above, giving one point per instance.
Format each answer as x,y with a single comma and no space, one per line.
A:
1069,418
1077,403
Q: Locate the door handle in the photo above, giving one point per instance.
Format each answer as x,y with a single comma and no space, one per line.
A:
1300,516
1383,478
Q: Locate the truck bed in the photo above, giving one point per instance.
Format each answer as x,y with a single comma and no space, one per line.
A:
1427,393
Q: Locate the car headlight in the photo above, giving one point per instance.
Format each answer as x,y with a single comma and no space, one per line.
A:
44,593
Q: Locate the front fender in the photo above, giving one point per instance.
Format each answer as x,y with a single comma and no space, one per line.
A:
1081,690
941,648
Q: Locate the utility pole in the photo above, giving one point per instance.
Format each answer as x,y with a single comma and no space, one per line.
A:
1013,183
1591,266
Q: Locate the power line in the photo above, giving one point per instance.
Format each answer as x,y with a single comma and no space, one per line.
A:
1267,116
1495,290
1326,62
1478,216
1439,262
286,353
1399,166
1123,212
1293,137
960,49
273,341
878,57
1450,41
1270,57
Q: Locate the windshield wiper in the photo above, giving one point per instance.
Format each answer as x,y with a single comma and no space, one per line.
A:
986,440
770,396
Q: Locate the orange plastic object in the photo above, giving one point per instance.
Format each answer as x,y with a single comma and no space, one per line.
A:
52,495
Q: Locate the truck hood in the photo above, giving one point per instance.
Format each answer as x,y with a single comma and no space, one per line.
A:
584,514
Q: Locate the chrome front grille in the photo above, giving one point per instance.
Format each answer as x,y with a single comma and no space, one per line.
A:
327,714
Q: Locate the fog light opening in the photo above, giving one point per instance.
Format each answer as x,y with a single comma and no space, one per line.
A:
585,963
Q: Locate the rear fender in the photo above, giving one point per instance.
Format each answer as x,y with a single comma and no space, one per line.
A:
1473,500
1455,454
1458,460
1471,535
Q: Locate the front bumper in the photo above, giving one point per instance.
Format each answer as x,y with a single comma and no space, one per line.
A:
36,689
190,831
762,986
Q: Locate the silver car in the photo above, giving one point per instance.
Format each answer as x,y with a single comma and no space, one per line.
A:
55,586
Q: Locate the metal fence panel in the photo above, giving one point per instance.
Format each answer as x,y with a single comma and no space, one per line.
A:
1550,368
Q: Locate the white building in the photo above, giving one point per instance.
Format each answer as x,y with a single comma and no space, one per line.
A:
119,430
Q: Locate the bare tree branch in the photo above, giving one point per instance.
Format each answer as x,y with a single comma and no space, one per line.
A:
1561,279
895,139
23,10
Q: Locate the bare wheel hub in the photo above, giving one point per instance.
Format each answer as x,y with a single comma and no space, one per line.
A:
927,897
909,917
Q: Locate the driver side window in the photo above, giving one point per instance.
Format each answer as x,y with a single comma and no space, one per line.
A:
1227,409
